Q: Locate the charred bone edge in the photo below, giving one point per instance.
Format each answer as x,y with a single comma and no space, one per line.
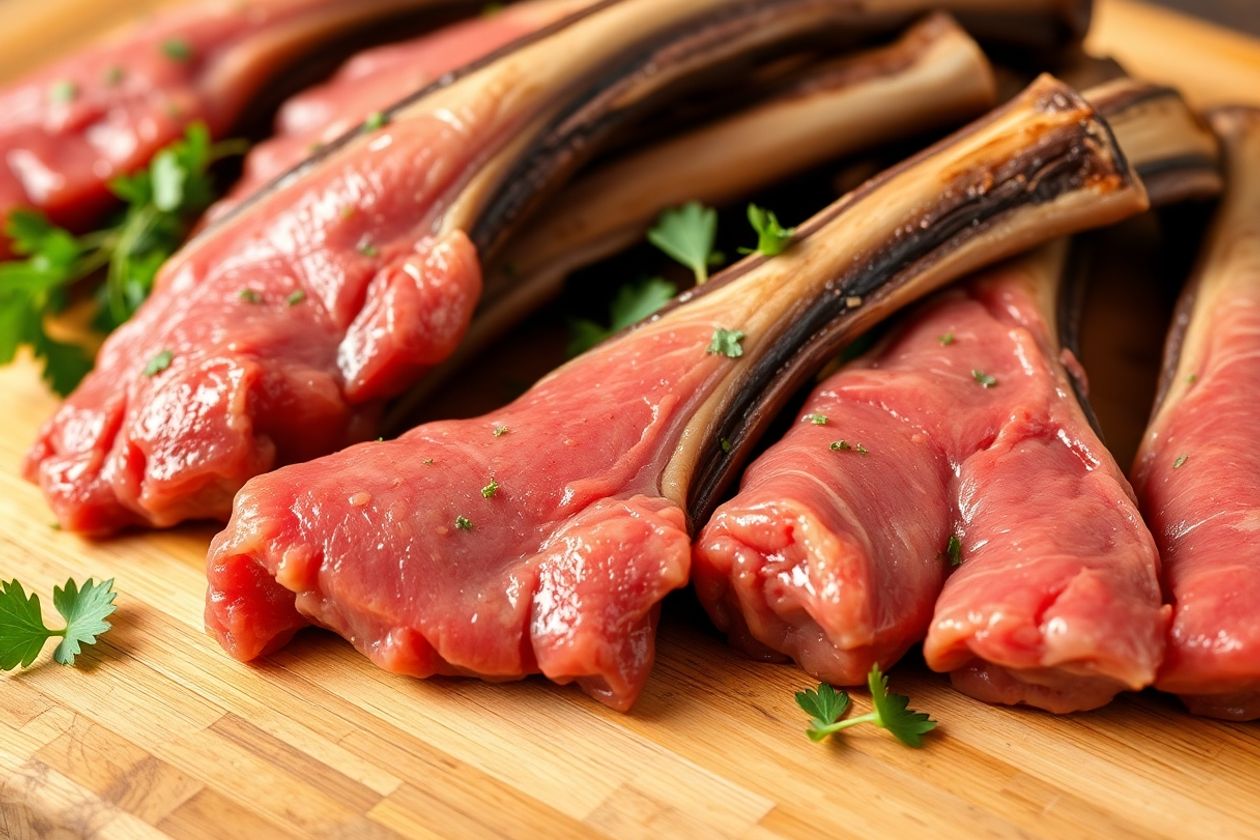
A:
1177,157
1042,166
1017,21
1238,130
933,74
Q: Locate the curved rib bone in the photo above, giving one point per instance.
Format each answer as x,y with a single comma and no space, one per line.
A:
542,537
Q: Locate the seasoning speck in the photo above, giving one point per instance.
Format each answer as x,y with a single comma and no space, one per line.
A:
64,91
500,431
1180,462
853,301
946,339
295,298
176,49
159,363
817,419
840,446
463,523
360,499
985,380
490,489
250,296
375,120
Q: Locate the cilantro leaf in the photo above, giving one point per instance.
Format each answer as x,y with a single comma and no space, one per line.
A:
726,343
686,234
892,712
23,632
772,237
826,706
161,203
633,303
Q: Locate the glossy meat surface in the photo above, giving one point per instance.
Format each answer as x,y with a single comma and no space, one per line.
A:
836,556
1056,603
1198,470
376,79
530,540
282,330
72,126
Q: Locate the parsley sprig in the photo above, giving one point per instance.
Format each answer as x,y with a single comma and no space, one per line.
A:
162,202
772,237
23,633
826,706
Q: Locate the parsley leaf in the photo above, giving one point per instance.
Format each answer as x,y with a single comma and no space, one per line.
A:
686,234
726,343
22,630
953,550
633,303
826,705
162,202
772,237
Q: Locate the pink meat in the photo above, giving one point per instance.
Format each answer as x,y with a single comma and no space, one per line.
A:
376,79
1057,602
74,125
407,548
836,556
284,330
1198,476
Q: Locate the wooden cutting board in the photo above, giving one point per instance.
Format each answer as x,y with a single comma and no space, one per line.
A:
157,732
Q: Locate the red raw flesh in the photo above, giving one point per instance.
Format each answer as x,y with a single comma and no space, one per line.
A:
559,571
374,80
131,98
1205,514
1057,601
836,558
255,384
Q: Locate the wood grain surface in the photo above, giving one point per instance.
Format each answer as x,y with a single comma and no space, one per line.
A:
158,733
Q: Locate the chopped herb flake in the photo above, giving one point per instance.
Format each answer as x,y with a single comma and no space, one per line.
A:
985,380
367,249
725,443
64,91
862,450
250,296
490,489
500,431
953,550
463,523
159,363
726,343
375,120
946,339
817,419
840,446
295,297
1192,378
176,49
1180,462
428,462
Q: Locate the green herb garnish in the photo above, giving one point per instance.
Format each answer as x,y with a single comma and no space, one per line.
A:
176,49
985,380
295,297
633,303
772,237
159,363
463,523
953,550
726,343
946,339
490,489
375,120
817,419
686,234
826,706
23,632
162,202
840,446
249,296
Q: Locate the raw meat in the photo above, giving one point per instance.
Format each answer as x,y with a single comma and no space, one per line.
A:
1198,469
542,537
72,126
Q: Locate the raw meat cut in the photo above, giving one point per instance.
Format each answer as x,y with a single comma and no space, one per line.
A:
101,112
376,79
541,537
276,334
836,560
1198,469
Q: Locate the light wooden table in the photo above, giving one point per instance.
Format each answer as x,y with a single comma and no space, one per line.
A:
158,732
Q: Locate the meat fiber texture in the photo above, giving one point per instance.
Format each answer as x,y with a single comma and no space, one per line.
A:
102,112
836,547
531,540
375,79
273,338
1198,475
